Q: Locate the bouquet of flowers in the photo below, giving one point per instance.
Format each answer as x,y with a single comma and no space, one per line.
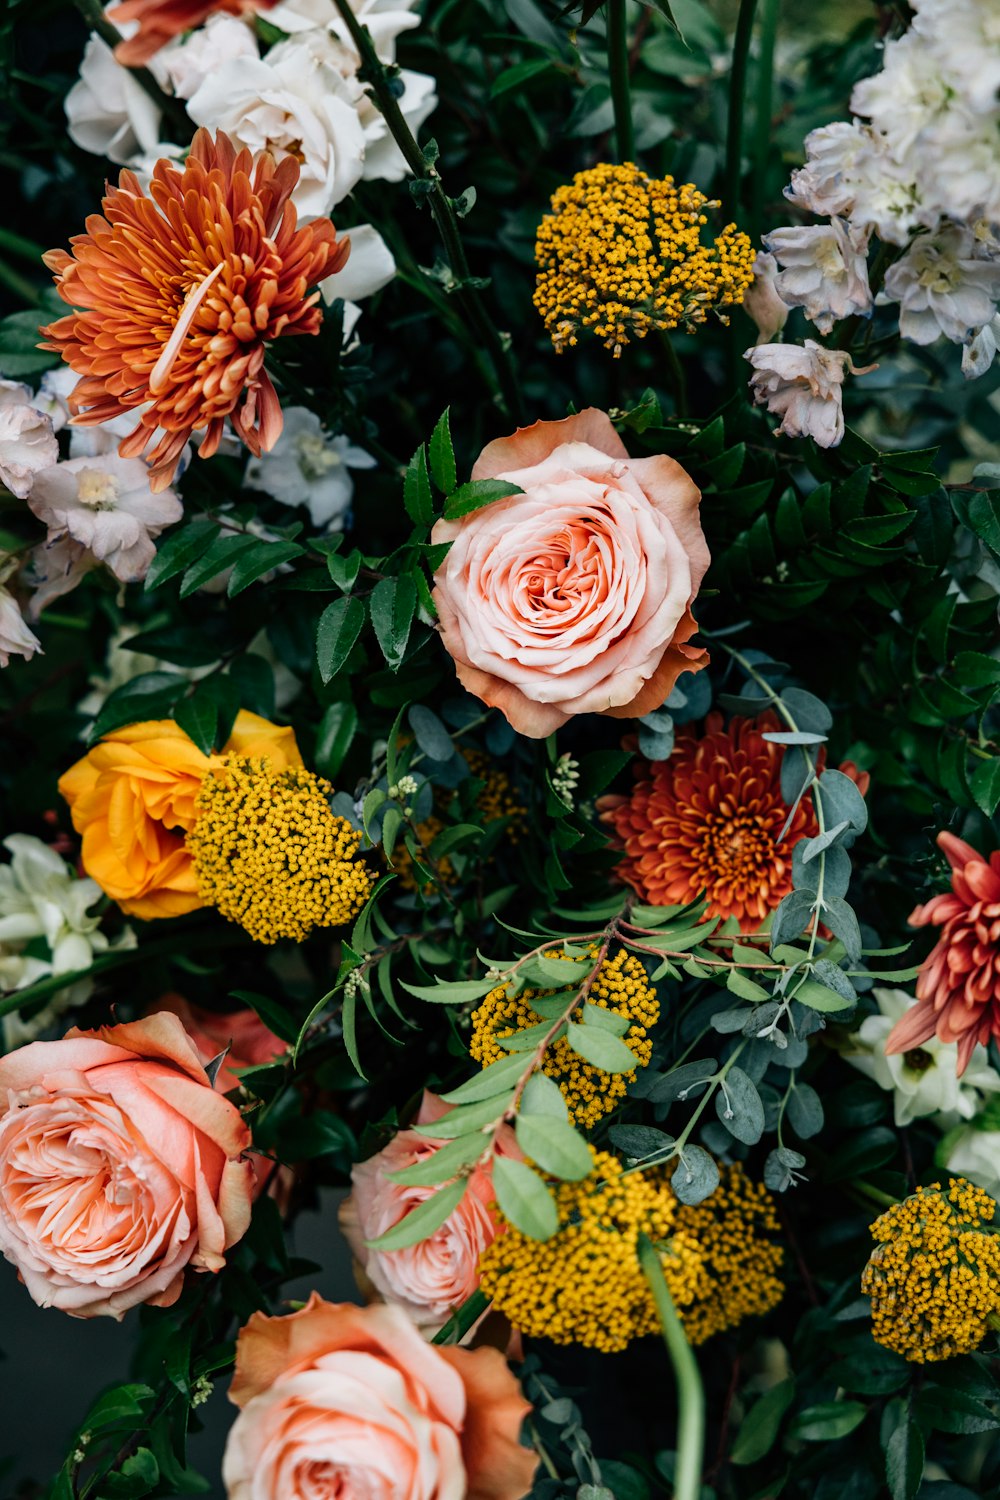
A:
501,745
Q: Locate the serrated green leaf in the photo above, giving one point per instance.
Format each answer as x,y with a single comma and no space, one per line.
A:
339,627
476,494
442,456
393,604
417,489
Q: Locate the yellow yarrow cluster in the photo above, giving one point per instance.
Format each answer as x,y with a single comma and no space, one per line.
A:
585,1284
739,1262
934,1276
621,254
621,985
498,799
269,853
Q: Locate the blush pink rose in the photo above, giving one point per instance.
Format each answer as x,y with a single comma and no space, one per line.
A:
429,1281
575,596
250,1042
120,1166
351,1402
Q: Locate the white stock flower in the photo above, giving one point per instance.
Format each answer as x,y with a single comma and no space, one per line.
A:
802,383
293,103
221,40
825,270
107,112
942,287
308,466
27,438
15,637
106,505
925,1080
761,301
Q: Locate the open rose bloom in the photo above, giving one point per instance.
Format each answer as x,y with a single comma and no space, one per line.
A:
120,1167
574,597
351,1402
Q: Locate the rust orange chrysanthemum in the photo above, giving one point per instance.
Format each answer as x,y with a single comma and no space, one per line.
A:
710,818
958,987
176,295
161,20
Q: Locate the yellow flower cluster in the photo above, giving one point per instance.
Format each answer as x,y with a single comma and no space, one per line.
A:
621,985
585,1284
498,799
739,1262
270,854
621,254
934,1276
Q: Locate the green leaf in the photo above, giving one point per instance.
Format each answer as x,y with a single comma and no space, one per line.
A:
344,569
601,1048
198,716
255,562
421,1222
696,1175
393,604
747,989
820,997
336,732
605,1020
762,1423
804,1111
443,1163
739,1107
523,72
555,1146
417,489
496,1079
639,1141
179,550
828,1420
454,992
430,733
476,494
984,783
221,555
904,1461
468,1117
149,696
543,1097
525,1199
120,1403
20,355
276,1017
339,627
443,456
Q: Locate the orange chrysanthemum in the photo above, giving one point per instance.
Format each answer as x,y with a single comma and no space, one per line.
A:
181,291
709,819
161,20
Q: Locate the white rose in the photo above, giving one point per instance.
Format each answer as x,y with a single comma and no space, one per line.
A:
107,112
221,40
27,439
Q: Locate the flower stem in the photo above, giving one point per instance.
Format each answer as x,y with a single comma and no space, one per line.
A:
762,117
618,75
18,284
678,380
737,99
92,12
373,73
690,1392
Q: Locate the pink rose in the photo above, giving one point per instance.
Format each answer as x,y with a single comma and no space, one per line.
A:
119,1167
429,1280
350,1401
250,1042
575,596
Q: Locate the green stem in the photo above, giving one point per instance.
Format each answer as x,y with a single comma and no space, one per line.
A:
737,100
442,207
18,284
762,118
18,245
618,75
678,380
92,12
690,1392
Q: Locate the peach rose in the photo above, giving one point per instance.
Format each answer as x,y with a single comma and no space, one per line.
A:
575,596
350,1401
250,1042
429,1280
119,1167
132,799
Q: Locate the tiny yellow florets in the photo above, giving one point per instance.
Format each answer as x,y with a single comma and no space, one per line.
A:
739,1262
934,1276
621,985
585,1284
269,853
498,799
621,254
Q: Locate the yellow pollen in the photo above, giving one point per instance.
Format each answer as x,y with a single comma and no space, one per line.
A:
269,853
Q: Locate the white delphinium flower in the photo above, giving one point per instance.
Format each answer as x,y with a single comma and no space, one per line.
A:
293,103
223,39
905,97
825,185
924,1081
27,438
106,505
107,113
943,287
761,301
964,36
825,270
309,466
803,384
981,350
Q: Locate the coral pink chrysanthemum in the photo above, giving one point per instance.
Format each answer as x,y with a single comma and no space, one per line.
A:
958,988
177,294
161,20
710,818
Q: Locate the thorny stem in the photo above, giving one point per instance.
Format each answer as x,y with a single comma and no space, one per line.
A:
616,17
690,1391
442,207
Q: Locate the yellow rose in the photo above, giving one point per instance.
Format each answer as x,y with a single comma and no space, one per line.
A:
132,798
